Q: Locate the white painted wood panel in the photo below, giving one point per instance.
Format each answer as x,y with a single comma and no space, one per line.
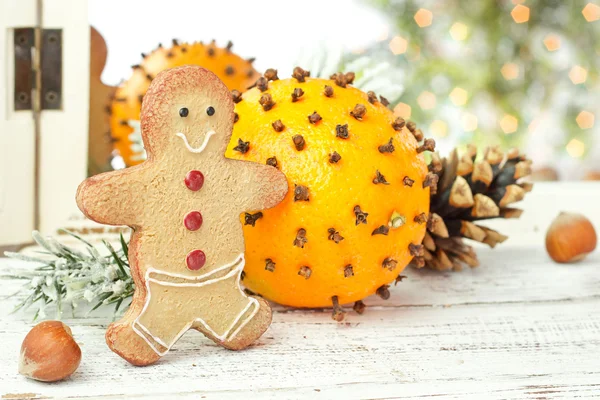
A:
64,138
17,133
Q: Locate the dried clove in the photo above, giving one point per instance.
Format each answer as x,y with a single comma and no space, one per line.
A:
411,126
421,218
382,230
299,74
271,74
398,124
301,193
383,292
328,91
359,307
269,265
339,79
341,131
229,70
359,111
272,161
262,84
379,178
384,101
334,157
299,142
300,239
314,118
236,117
361,217
408,182
278,126
266,101
372,97
418,134
250,219
428,145
305,271
348,271
388,147
334,235
431,182
236,96
338,313
389,263
349,77
416,250
296,94
242,146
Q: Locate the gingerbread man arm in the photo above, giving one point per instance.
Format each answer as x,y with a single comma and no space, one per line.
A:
266,186
110,198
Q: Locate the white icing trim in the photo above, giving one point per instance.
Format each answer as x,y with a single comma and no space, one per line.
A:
239,258
227,334
199,149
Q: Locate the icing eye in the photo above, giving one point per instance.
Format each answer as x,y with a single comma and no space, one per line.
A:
183,112
210,111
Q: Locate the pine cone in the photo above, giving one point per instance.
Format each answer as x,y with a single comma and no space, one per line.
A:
469,191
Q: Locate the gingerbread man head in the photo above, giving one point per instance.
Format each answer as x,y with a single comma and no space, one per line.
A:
195,115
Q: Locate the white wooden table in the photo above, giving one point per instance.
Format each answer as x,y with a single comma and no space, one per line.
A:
519,327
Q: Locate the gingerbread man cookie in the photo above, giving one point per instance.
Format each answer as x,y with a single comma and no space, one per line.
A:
184,204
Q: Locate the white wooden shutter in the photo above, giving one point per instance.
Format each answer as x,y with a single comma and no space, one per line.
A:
17,133
64,133
43,153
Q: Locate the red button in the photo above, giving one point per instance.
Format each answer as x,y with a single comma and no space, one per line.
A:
193,220
194,180
195,260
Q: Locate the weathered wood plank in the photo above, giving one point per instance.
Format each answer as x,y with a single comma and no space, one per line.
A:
514,350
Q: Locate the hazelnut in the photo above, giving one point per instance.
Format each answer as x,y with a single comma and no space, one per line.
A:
570,238
49,352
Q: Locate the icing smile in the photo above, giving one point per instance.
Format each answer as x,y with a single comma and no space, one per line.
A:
202,146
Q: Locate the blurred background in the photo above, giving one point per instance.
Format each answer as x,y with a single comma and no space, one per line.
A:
509,72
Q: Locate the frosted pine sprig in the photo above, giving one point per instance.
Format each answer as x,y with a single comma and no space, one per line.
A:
65,275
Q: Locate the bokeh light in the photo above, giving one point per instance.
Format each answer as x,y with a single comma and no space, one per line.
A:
585,120
520,14
459,96
510,71
469,122
459,31
575,148
438,128
578,74
509,124
423,18
426,100
402,110
552,42
591,12
398,45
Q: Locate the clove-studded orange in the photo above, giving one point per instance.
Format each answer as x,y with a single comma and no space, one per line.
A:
358,204
125,107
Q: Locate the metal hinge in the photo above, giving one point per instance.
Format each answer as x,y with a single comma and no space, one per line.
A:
38,63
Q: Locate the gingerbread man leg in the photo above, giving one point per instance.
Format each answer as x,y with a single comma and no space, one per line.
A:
253,329
123,339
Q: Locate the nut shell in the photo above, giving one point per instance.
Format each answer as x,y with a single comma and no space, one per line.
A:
49,353
570,238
